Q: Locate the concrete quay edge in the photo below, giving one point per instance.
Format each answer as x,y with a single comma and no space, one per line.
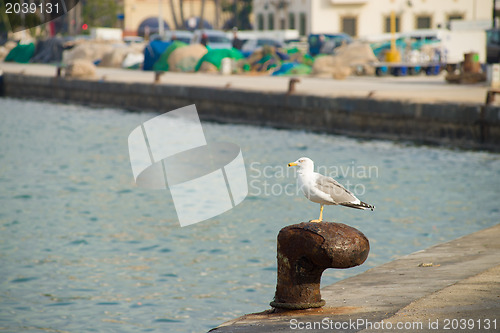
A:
456,280
455,124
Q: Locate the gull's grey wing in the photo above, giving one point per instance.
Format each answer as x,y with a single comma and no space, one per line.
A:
337,192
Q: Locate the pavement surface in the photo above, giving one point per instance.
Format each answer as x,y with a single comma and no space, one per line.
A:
450,287
421,88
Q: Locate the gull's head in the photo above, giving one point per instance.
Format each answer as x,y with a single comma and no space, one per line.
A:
304,163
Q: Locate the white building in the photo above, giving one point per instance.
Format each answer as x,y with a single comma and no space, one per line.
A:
360,18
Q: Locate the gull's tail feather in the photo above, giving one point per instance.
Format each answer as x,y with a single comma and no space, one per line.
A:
360,205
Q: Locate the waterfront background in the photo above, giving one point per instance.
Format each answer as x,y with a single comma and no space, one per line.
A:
83,249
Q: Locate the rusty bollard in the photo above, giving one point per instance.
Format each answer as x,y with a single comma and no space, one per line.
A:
158,74
291,85
59,71
305,250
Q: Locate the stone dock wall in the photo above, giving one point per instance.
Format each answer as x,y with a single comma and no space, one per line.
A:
458,125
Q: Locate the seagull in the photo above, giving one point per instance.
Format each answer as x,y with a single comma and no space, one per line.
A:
324,190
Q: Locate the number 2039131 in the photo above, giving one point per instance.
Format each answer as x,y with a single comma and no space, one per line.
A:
469,324
31,8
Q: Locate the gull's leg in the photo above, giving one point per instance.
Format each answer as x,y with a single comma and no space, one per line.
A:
320,215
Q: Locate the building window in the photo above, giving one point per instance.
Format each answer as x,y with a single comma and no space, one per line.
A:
260,21
349,26
302,24
270,21
455,17
424,22
282,23
291,20
387,25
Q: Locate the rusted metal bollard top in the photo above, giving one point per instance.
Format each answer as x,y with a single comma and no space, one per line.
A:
305,250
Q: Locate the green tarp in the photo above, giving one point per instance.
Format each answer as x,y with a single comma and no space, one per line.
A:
215,57
22,53
162,63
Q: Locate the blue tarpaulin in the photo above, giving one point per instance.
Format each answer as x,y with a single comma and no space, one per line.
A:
152,53
293,68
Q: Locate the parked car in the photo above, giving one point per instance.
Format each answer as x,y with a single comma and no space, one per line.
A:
180,35
252,44
133,39
316,41
216,39
493,46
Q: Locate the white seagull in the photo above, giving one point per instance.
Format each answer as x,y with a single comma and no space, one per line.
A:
324,190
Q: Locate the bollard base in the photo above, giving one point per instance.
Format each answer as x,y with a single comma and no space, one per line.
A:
298,306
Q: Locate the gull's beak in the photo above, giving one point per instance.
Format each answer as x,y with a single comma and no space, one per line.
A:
292,164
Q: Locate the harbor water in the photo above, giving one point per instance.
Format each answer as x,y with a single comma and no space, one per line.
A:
82,249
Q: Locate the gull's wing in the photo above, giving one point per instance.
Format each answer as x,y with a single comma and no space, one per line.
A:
335,190
339,194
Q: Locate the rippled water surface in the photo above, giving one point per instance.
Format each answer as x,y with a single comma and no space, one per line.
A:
84,250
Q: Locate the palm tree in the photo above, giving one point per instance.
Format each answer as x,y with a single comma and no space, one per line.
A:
202,12
174,16
179,23
217,14
181,6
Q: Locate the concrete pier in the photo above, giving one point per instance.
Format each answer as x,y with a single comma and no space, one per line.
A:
433,290
419,109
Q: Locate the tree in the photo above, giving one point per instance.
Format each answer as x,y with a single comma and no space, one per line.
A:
174,16
202,13
178,22
181,7
17,21
100,13
241,11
